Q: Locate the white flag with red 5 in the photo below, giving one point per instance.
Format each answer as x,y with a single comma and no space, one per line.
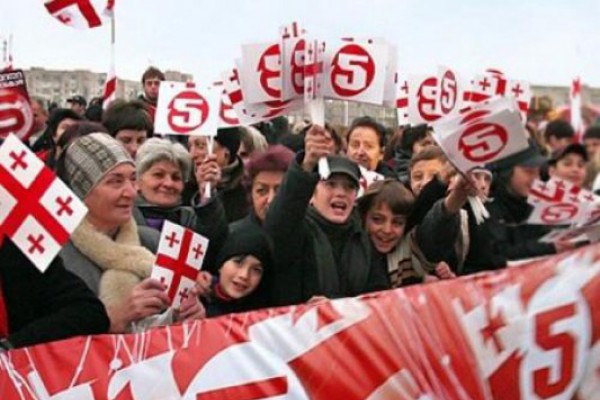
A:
260,72
356,71
485,134
293,46
187,109
38,211
179,258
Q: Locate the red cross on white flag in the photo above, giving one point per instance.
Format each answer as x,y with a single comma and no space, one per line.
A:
575,101
179,258
37,210
495,83
80,14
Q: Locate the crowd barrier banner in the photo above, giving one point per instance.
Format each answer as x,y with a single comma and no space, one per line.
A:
529,332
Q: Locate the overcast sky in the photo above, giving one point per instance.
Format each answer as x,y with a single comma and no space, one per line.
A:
543,41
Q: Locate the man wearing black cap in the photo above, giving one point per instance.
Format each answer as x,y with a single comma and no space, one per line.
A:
78,104
320,247
505,236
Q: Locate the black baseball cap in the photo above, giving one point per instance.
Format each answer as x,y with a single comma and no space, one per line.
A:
573,148
343,165
78,100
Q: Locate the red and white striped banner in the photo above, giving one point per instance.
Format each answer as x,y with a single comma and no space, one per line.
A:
526,332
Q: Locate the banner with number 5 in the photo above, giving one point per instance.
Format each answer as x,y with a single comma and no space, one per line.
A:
187,109
356,71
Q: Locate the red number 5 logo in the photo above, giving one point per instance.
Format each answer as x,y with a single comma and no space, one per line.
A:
548,383
481,140
353,70
187,111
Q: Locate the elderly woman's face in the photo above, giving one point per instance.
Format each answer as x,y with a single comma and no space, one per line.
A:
162,184
264,189
110,202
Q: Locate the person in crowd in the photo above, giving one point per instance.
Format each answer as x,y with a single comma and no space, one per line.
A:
251,142
226,166
414,140
59,120
366,142
161,166
151,79
558,135
431,178
38,307
40,118
591,141
244,266
569,164
265,173
482,178
505,236
385,208
78,129
129,122
320,247
94,110
107,250
78,104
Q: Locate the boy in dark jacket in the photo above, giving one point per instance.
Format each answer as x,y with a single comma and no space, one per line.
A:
320,246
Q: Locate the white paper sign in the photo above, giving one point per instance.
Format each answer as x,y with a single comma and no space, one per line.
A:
187,109
485,134
355,72
260,72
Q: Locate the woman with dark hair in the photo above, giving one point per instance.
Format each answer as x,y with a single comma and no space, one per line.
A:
129,122
58,121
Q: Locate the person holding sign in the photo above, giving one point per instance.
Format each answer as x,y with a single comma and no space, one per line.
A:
321,249
504,237
107,249
161,166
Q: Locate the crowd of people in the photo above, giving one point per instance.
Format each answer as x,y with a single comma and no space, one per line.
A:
282,231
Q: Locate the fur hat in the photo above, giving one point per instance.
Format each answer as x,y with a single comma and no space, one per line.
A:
91,157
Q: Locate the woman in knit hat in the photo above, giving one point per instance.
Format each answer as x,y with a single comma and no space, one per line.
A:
244,267
107,249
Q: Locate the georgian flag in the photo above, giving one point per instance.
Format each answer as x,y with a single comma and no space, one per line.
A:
109,93
576,120
80,14
37,210
179,258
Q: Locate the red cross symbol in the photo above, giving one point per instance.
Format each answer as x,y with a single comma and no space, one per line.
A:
404,87
198,251
184,294
588,197
64,206
517,90
18,160
484,84
172,239
36,244
65,19
178,265
490,331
